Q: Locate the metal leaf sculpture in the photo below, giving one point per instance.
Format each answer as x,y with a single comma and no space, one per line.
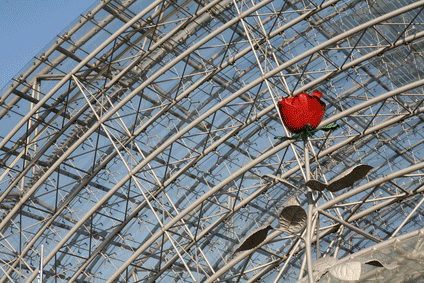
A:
254,239
316,185
347,271
378,263
292,218
344,180
321,265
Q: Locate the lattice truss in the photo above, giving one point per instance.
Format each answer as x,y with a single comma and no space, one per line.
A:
139,145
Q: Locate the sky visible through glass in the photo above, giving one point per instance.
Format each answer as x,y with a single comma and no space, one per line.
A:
26,26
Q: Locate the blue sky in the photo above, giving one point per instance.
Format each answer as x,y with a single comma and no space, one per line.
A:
26,26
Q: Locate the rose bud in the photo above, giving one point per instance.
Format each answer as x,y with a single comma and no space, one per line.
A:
299,111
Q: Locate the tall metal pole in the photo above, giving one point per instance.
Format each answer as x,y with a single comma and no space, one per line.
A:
40,268
309,213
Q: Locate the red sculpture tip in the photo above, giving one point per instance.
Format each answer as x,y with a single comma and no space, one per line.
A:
316,94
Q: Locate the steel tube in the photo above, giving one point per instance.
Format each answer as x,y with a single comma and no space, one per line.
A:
350,226
308,235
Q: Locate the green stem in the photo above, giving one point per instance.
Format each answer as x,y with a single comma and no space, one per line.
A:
308,132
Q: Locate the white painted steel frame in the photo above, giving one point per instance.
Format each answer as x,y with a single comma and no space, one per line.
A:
185,214
235,175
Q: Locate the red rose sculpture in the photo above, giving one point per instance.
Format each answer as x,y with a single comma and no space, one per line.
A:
299,111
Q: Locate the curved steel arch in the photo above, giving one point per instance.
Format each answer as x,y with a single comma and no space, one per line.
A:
248,166
106,161
200,200
199,79
328,151
103,118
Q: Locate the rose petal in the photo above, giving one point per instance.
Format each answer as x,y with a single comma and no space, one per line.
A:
316,94
300,110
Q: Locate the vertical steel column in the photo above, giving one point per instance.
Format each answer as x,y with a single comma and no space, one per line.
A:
309,231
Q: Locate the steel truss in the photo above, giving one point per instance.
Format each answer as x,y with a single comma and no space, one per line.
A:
139,146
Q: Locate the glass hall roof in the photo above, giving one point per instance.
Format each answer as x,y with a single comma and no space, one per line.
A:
139,145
